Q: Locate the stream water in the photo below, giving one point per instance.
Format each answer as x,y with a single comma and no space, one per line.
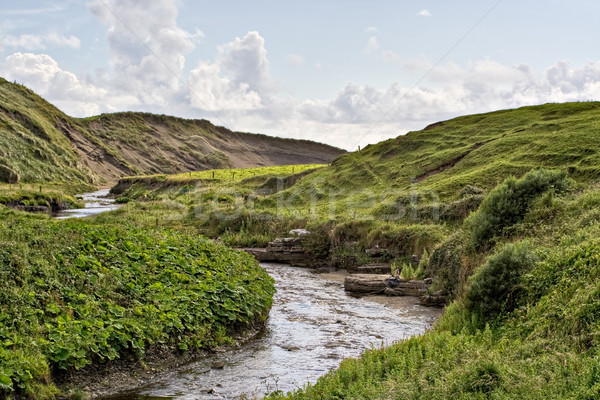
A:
95,203
312,326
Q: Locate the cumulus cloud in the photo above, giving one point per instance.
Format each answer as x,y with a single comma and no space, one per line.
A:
481,86
43,74
238,80
147,73
425,13
371,29
246,60
148,48
210,91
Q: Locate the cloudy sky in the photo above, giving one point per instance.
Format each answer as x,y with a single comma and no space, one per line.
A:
344,72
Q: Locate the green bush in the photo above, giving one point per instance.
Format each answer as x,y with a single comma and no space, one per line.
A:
508,203
495,287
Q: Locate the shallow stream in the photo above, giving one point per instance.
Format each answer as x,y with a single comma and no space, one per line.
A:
95,203
313,325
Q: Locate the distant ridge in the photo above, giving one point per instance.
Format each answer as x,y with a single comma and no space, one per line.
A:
38,142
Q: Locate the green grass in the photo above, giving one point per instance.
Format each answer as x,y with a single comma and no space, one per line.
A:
528,327
534,267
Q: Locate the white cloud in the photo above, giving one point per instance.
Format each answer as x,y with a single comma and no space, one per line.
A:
484,85
148,48
40,42
148,56
43,74
212,92
372,45
371,29
425,13
246,60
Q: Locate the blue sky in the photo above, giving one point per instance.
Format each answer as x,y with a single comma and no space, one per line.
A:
346,72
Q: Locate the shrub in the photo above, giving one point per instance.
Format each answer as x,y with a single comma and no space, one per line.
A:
445,263
494,288
508,203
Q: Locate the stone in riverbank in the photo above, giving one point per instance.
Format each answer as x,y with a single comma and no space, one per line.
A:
384,284
365,283
392,286
378,268
284,250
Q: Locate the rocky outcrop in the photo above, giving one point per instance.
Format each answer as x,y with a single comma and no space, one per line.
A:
289,250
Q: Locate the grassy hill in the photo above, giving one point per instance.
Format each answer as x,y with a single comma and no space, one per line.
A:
40,143
429,179
500,209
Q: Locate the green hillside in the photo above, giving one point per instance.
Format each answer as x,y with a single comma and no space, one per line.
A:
427,180
500,209
39,143
32,147
478,150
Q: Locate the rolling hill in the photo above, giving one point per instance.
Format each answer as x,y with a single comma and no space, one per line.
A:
38,142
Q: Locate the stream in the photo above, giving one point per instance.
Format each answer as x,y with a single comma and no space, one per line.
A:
95,203
312,326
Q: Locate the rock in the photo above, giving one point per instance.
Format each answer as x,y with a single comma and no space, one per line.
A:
428,281
207,391
384,284
286,250
365,283
437,299
218,365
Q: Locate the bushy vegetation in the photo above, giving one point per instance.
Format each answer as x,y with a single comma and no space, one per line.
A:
508,203
75,293
53,201
525,327
502,209
494,289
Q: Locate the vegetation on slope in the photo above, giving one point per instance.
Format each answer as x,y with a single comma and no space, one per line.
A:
76,293
32,148
39,143
506,205
406,194
522,268
525,327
